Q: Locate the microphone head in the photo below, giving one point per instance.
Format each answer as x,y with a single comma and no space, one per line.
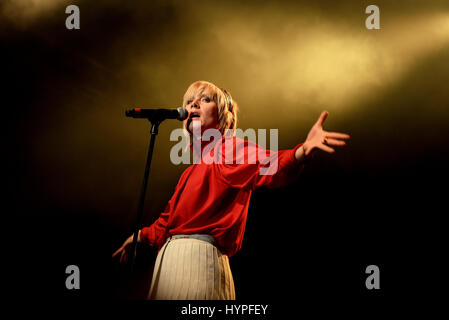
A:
129,113
183,113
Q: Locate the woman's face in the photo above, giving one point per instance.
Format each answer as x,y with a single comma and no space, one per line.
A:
202,108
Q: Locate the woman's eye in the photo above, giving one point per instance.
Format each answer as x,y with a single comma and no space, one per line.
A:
206,99
189,101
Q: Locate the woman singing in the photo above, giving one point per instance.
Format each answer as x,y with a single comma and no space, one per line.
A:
204,221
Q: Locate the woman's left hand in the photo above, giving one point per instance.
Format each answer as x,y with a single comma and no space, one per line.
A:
323,140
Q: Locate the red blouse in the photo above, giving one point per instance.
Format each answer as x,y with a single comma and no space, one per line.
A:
214,198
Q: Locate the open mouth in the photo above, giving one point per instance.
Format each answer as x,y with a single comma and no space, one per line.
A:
194,115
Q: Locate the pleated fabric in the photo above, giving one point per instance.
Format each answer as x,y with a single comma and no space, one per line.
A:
191,269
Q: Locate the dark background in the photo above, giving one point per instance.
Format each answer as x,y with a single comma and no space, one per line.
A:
74,163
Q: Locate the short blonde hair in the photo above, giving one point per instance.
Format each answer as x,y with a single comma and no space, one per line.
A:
227,107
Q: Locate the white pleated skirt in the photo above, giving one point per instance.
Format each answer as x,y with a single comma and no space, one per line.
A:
191,269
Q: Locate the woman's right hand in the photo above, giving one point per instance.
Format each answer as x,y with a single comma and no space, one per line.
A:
125,251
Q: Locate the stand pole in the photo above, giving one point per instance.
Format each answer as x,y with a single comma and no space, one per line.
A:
154,132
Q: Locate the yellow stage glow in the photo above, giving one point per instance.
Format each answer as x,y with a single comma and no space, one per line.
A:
333,65
23,13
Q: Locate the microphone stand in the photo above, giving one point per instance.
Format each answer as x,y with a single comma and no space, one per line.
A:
154,131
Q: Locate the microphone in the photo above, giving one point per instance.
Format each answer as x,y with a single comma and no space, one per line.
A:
158,114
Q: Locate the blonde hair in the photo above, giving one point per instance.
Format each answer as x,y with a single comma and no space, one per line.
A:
227,107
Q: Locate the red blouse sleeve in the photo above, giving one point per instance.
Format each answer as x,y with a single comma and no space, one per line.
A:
154,235
255,167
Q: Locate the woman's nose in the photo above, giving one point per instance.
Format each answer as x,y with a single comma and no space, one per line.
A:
195,104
